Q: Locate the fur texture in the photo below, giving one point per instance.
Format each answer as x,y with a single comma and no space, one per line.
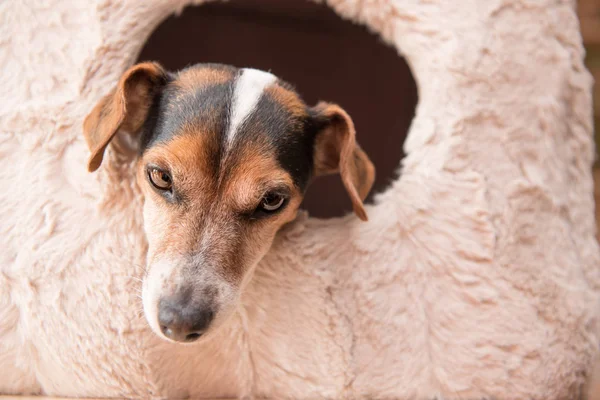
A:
476,276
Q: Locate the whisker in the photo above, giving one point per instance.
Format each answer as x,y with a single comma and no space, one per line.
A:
134,278
141,267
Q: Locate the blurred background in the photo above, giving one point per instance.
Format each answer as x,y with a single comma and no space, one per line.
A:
589,15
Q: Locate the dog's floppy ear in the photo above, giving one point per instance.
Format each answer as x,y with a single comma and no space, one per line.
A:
336,150
126,107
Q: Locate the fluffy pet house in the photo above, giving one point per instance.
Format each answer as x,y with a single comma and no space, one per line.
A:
476,277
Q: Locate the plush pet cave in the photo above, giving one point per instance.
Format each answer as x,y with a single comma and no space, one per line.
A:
476,276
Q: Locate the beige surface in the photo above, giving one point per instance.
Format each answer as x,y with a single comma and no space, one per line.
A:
476,277
38,398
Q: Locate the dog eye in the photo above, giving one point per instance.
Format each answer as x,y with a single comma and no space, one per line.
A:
271,202
160,179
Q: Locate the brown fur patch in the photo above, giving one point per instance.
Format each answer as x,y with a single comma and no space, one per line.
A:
288,100
255,171
336,150
194,78
188,156
210,221
126,106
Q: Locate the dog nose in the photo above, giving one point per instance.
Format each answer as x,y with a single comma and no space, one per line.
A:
183,321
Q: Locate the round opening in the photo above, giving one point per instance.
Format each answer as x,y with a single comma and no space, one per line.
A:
323,56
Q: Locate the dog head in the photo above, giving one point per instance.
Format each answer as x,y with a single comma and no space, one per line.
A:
225,156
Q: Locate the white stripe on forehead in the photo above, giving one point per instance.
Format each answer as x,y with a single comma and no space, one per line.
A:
249,86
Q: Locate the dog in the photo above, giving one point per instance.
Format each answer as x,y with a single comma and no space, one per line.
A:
224,157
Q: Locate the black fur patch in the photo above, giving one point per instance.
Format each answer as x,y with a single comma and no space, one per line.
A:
270,125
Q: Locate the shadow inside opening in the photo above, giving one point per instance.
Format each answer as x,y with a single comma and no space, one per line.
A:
323,56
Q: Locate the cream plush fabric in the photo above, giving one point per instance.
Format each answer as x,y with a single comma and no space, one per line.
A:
477,275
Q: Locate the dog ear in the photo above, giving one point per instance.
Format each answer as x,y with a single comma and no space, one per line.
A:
125,107
336,151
